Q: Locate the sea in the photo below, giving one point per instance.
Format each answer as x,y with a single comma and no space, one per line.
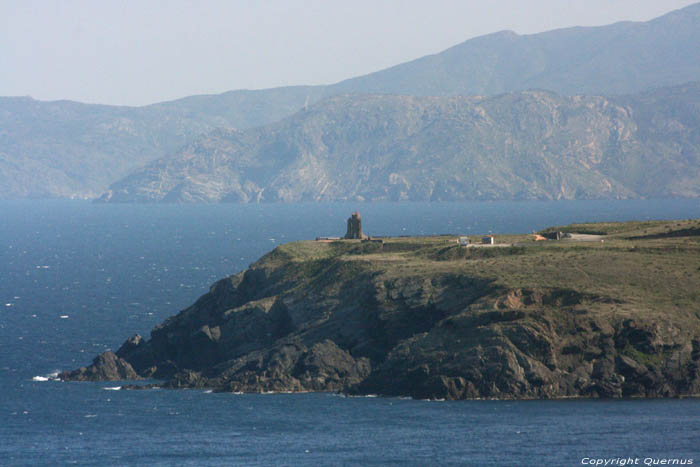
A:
77,278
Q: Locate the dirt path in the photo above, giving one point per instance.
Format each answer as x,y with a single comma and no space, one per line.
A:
584,237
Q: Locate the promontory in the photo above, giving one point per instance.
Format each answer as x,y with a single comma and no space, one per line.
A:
586,310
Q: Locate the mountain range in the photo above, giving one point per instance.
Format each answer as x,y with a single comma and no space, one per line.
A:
521,145
69,149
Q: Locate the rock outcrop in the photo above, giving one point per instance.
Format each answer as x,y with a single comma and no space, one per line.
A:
105,367
428,318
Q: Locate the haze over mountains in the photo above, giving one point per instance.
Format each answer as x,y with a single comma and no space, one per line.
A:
68,149
523,145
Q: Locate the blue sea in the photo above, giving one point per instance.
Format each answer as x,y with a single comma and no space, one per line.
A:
78,278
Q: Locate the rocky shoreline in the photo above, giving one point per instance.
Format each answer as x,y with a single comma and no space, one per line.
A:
429,319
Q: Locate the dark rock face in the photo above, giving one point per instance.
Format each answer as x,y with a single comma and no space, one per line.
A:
105,367
515,358
341,324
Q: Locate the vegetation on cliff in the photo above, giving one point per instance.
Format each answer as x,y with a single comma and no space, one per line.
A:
610,316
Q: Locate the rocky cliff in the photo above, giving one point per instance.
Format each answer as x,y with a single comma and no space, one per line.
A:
428,318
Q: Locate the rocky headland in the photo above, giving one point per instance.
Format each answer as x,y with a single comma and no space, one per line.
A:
430,318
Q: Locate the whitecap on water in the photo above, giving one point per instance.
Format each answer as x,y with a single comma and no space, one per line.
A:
65,316
113,388
53,376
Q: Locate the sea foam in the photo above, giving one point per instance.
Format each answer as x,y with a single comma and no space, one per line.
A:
53,376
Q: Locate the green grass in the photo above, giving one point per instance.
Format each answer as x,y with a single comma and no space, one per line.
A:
629,229
641,357
655,277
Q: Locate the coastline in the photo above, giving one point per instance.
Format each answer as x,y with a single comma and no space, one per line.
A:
428,318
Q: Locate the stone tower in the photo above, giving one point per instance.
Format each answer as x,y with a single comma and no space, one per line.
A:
354,227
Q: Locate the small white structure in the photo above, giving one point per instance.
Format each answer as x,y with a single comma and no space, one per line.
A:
487,240
464,241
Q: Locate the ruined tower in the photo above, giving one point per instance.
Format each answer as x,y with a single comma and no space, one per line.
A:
354,227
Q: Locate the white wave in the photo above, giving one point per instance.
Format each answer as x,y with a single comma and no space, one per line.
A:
53,376
90,415
64,316
113,388
208,391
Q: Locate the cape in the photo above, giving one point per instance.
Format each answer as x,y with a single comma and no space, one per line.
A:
585,310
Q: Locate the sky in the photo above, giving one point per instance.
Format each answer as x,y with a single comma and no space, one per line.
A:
145,51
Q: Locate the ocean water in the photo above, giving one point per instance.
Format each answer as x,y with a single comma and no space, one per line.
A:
77,278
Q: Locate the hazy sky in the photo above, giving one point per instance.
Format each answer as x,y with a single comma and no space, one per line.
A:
139,52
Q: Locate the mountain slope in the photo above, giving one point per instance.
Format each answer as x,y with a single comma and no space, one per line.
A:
525,145
68,149
619,58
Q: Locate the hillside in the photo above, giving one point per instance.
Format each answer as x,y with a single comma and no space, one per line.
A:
619,58
68,149
524,145
428,318
72,150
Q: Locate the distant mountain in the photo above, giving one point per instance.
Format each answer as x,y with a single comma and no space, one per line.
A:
620,58
68,149
522,145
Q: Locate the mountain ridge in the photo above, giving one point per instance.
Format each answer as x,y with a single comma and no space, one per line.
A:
520,145
84,148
